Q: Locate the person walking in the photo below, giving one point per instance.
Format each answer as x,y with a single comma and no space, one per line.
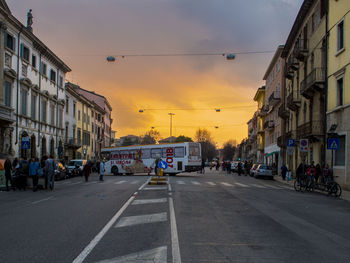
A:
33,172
203,167
239,168
318,173
101,170
326,174
8,176
245,168
87,171
50,173
284,170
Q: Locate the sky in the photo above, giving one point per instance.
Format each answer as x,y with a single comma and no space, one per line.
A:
84,32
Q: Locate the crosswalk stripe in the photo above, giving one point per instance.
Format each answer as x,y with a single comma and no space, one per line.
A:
211,183
149,201
195,183
226,184
155,188
180,182
120,182
243,185
259,186
271,186
142,219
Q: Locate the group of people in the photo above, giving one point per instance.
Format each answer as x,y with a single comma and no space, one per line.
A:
314,174
17,171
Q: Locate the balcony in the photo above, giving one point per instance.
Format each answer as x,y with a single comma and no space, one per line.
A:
274,98
269,125
263,111
293,101
301,49
283,113
315,81
288,72
310,129
72,143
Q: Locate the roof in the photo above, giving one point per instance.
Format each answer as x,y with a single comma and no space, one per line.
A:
258,92
273,61
304,9
93,92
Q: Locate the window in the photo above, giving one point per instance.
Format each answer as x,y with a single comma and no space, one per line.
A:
25,52
78,115
179,152
8,93
339,157
340,91
92,128
67,105
60,82
79,135
60,118
24,95
52,118
340,37
33,61
53,75
74,109
33,107
146,153
43,69
156,152
10,42
44,110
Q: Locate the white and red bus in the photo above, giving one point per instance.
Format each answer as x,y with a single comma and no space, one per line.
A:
180,157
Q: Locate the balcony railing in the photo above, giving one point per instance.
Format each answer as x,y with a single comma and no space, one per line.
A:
314,81
283,112
73,142
275,98
312,128
269,125
263,110
293,101
300,49
288,72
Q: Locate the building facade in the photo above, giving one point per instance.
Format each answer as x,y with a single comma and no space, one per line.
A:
262,111
33,90
338,89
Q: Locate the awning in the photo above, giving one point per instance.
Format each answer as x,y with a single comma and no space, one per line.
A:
271,153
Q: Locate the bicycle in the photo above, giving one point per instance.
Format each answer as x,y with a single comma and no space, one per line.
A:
333,188
300,184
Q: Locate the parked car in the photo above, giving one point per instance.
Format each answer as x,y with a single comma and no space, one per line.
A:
75,167
60,171
234,167
253,169
263,170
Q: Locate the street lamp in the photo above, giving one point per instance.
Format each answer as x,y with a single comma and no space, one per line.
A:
171,123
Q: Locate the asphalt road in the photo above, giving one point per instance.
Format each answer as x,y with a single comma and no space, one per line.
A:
196,218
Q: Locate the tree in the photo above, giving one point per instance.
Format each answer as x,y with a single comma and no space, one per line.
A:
128,142
150,137
183,138
229,150
203,136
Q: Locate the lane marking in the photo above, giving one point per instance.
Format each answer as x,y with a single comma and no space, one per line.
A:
156,255
87,250
180,182
149,201
226,184
42,200
169,187
243,185
271,186
258,185
147,181
142,219
120,182
195,183
175,247
211,183
156,188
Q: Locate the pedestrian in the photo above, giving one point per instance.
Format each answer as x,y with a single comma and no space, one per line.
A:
284,170
245,167
101,170
239,168
156,164
87,171
33,172
8,176
50,173
326,174
217,165
311,173
203,167
318,172
15,163
228,167
22,173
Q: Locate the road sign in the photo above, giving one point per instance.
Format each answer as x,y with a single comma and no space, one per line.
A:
290,143
304,145
290,150
25,143
333,144
163,165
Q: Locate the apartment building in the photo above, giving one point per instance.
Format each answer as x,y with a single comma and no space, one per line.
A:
262,111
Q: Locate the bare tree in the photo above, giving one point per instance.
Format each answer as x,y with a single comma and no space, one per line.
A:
203,136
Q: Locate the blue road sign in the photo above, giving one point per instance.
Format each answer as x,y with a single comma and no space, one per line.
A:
290,143
163,165
333,144
25,143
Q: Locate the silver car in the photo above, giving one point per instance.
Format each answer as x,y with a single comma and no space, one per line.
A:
263,170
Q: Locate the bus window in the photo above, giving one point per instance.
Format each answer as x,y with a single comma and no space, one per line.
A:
115,155
156,152
124,154
132,154
194,150
164,152
146,153
105,156
179,152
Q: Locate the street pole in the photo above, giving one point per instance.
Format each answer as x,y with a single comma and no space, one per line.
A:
171,123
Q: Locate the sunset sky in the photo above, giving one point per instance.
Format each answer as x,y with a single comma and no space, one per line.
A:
84,32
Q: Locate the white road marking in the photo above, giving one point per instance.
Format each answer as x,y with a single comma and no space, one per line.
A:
156,255
175,247
258,185
142,186
180,182
42,200
211,183
169,187
271,186
120,182
242,185
195,183
156,188
226,184
142,219
149,201
81,257
135,182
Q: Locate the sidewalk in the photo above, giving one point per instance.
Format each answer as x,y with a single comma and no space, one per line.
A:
345,195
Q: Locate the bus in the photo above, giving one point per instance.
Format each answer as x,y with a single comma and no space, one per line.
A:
180,157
